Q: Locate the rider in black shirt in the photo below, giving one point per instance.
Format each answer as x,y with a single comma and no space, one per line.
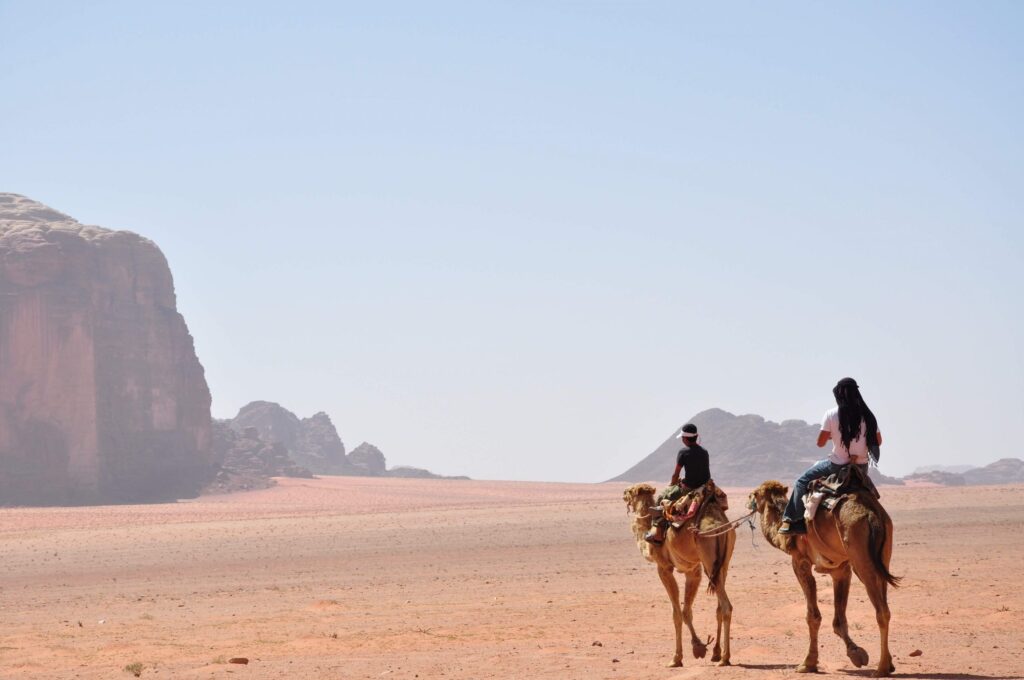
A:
694,460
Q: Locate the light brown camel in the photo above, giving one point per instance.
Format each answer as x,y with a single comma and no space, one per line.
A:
859,535
684,551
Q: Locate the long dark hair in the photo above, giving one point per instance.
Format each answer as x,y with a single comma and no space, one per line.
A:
852,412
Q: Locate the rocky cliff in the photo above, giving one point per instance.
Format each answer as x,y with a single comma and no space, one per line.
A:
745,450
102,398
313,443
244,460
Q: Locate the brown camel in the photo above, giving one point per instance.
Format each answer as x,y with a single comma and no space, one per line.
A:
688,553
859,535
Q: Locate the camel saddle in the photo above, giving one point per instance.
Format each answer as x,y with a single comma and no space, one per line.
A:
832,490
690,509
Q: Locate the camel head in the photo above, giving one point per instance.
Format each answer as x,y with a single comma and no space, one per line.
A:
771,491
638,498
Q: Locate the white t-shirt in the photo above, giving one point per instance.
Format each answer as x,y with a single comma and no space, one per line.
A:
858,451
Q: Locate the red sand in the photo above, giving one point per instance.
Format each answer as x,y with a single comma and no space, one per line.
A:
394,578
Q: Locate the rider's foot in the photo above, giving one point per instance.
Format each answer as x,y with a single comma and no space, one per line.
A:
789,527
656,535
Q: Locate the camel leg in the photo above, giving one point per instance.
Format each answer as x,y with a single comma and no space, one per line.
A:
802,569
724,615
841,578
668,579
693,577
878,594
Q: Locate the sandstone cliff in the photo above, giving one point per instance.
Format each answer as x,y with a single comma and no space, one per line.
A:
102,398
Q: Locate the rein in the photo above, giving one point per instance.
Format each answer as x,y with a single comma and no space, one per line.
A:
725,528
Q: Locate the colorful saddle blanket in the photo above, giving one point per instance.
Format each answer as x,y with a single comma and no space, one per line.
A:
692,505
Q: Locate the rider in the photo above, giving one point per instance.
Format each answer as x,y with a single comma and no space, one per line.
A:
849,426
694,459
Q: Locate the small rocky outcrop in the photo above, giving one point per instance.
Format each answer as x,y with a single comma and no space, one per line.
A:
319,447
244,460
102,398
311,442
367,459
273,422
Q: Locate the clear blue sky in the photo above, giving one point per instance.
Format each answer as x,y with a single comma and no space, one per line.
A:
527,240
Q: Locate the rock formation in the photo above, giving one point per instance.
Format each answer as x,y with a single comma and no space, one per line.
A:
244,460
368,460
313,443
102,398
319,447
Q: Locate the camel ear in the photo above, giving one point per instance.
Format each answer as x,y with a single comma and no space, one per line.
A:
785,491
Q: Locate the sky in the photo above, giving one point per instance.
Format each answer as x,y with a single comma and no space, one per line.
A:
528,240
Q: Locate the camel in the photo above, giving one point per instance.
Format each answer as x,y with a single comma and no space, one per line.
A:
857,535
688,553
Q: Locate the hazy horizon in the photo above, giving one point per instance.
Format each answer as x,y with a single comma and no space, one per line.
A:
528,241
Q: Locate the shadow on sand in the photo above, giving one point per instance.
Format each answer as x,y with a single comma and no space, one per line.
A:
866,673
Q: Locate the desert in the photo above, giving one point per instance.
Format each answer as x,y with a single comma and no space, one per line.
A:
360,577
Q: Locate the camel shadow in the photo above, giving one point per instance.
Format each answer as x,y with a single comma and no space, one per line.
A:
935,676
866,673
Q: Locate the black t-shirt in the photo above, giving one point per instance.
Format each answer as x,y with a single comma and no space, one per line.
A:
694,459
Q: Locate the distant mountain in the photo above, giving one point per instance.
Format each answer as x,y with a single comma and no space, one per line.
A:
1003,471
955,469
745,450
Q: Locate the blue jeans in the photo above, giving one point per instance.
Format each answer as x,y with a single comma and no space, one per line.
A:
795,508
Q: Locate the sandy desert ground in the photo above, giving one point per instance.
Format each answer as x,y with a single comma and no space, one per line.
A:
391,578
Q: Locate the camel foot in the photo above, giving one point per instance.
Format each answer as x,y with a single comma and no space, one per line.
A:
725,662
716,655
700,650
858,655
676,663
804,668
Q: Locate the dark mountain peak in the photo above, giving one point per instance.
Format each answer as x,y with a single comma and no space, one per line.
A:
745,450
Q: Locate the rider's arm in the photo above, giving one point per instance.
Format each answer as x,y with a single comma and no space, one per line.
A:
675,476
824,437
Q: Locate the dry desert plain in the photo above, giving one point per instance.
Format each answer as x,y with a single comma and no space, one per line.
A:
392,578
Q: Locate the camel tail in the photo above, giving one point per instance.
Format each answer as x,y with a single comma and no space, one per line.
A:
877,538
721,546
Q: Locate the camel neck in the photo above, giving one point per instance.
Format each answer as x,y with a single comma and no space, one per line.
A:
771,519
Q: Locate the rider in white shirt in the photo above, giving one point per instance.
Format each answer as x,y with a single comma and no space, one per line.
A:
849,426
